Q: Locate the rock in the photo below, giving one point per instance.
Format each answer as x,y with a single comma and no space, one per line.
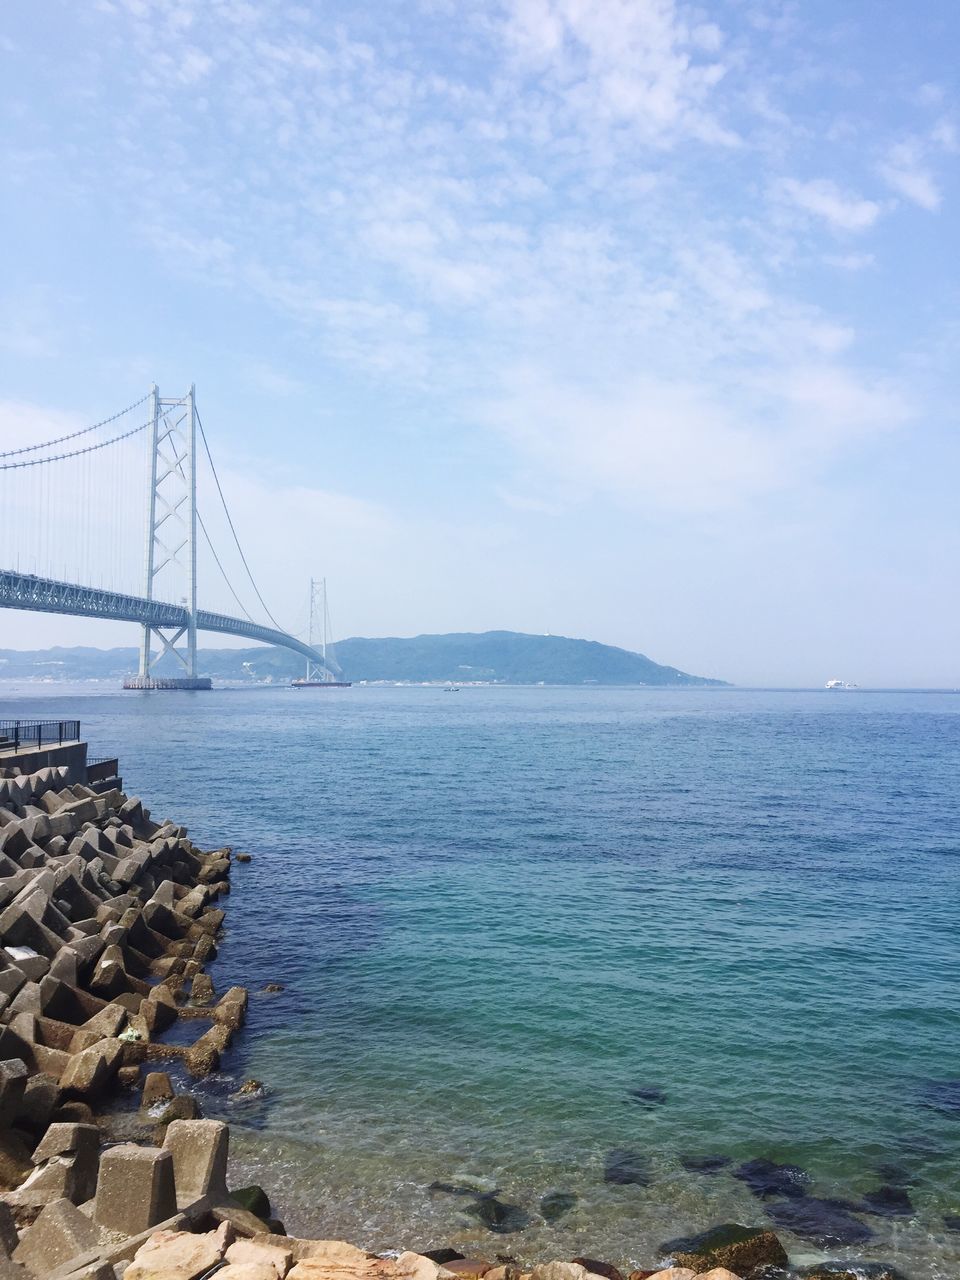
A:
648,1096
672,1273
766,1178
596,1268
822,1222
245,1271
15,1162
718,1273
249,1087
272,987
705,1164
471,1268
850,1271
175,1255
888,1202
8,1231
455,1189
952,1221
440,1256
255,1200
252,1251
506,1271
498,1215
243,857
555,1204
626,1168
731,1245
558,1271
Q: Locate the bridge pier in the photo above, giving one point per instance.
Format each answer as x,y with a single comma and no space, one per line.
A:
168,682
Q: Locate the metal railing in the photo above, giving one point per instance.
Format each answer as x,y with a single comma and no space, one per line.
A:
15,735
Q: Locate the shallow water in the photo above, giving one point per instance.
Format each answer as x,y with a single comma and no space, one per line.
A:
497,912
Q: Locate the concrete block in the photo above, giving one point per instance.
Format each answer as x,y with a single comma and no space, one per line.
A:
13,1081
135,1189
8,1232
59,1234
199,1149
88,1074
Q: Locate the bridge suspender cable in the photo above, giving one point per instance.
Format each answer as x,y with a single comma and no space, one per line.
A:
33,448
61,457
203,436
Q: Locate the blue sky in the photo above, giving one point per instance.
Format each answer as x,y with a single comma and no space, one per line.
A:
630,320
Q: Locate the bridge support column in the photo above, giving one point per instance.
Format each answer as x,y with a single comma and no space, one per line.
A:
171,540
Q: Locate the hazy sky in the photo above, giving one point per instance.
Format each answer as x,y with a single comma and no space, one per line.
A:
627,319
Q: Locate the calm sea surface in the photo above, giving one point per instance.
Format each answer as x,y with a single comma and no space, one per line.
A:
497,912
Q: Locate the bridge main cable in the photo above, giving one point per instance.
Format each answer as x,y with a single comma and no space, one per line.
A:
84,431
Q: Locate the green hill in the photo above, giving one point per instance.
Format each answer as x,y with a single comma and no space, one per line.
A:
508,657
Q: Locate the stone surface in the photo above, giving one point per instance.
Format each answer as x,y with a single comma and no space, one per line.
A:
598,1268
199,1150
246,1251
626,1168
175,1255
135,1189
767,1178
559,1271
60,1233
255,1200
731,1245
555,1204
823,1222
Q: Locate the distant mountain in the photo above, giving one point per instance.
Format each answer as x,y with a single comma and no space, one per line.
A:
508,657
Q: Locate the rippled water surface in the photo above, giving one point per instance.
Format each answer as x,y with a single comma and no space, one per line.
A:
497,912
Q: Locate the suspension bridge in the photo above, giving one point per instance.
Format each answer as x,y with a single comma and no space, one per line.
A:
67,505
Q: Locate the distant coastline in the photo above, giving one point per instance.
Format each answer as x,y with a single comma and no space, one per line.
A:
490,657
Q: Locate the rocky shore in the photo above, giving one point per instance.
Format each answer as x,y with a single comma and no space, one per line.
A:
107,920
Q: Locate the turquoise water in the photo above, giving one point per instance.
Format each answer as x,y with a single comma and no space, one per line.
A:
497,912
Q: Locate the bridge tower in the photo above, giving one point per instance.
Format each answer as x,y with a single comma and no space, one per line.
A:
171,537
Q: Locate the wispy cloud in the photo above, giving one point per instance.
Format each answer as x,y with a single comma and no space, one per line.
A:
824,199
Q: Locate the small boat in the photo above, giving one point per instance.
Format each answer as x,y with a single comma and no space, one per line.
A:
840,684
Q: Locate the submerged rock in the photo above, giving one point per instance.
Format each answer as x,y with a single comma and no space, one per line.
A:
850,1271
648,1095
941,1095
457,1189
705,1164
767,1178
888,1202
626,1168
894,1175
498,1215
822,1222
555,1204
740,1249
952,1221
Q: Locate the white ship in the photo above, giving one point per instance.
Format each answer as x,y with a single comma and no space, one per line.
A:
840,684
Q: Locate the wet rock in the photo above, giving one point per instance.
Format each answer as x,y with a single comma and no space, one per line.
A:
705,1164
243,857
555,1204
248,1088
821,1222
626,1168
952,1221
606,1269
767,1178
850,1271
498,1215
731,1245
183,1107
254,1199
441,1256
648,1096
456,1189
888,1202
894,1175
273,987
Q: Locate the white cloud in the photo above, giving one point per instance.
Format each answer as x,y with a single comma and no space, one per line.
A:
826,200
904,169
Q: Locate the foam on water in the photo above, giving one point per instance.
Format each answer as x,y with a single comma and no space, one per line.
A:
499,917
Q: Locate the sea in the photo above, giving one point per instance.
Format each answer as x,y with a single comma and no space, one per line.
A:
578,971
